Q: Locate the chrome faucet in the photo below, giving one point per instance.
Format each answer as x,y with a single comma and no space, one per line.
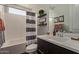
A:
60,34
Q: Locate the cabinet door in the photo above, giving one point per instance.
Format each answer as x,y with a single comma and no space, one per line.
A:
49,48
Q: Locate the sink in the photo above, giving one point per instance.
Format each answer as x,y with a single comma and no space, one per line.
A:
60,39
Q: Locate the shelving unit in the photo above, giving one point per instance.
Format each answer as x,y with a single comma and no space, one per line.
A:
42,24
42,15
59,23
42,20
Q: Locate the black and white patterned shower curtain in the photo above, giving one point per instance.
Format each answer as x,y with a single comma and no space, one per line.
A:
30,26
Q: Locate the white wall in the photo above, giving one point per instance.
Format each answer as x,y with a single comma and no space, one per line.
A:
2,12
51,21
15,27
1,8
75,20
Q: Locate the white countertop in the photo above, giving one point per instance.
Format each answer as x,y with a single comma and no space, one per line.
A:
65,42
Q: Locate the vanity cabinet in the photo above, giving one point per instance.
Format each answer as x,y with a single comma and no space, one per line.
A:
49,48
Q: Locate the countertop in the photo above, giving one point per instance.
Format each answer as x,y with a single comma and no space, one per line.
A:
64,41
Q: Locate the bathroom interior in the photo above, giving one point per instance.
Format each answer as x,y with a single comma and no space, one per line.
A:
39,28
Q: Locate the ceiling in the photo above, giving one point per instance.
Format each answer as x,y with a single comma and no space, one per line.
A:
46,7
36,7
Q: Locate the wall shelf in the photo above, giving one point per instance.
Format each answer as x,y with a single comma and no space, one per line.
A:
42,15
43,24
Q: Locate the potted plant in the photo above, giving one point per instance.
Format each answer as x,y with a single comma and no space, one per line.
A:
41,12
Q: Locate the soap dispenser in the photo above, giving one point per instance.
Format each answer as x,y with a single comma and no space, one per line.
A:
54,32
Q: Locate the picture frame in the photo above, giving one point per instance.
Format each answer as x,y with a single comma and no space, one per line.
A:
61,18
56,19
42,20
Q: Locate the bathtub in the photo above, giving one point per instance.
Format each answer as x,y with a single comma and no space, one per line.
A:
13,47
14,42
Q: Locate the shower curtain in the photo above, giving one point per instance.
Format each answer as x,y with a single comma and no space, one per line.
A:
30,27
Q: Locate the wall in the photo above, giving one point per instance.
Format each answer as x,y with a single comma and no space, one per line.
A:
75,20
51,21
2,12
1,8
14,27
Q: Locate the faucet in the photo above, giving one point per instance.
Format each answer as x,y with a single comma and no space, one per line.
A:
60,34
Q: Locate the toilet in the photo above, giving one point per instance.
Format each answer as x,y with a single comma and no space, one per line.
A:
31,48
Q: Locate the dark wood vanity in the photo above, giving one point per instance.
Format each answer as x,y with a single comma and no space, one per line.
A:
49,48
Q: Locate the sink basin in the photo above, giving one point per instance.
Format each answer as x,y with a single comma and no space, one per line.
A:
60,39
